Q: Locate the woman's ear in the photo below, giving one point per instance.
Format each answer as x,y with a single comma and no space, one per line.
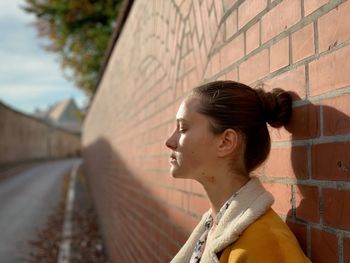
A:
228,142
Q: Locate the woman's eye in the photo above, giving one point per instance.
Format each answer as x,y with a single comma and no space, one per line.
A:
182,130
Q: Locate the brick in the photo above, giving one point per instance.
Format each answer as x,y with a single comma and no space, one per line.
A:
228,4
209,69
334,166
219,9
180,218
178,2
213,26
200,59
185,8
330,72
220,38
336,112
283,197
198,204
279,54
206,25
198,18
253,38
175,198
287,162
222,77
232,75
192,21
158,192
346,249
307,203
312,5
300,233
191,82
304,123
186,64
214,65
303,44
293,80
336,209
333,27
179,183
172,248
248,10
231,24
255,68
232,52
180,235
324,247
278,19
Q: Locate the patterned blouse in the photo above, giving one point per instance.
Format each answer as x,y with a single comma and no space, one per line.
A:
200,245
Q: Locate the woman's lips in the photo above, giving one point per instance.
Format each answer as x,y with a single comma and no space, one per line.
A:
172,159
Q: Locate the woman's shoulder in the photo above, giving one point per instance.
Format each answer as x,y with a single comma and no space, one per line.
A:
268,239
271,225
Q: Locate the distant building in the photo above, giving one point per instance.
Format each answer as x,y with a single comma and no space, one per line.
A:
64,114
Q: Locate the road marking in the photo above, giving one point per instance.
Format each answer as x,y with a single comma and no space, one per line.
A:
64,252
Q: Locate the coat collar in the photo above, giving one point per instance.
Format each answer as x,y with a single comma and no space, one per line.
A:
251,203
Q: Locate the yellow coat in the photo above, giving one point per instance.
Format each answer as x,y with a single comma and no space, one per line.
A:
248,232
267,240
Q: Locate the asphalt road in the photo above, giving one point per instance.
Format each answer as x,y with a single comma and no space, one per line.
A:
26,200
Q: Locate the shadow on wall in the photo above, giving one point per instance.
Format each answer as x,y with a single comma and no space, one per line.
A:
136,224
320,166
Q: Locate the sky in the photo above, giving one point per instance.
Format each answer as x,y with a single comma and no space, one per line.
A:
30,77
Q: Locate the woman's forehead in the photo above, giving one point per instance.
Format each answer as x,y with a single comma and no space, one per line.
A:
187,109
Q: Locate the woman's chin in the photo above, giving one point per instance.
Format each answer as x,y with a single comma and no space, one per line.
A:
175,173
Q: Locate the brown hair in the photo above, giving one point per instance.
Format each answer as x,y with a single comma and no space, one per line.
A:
234,105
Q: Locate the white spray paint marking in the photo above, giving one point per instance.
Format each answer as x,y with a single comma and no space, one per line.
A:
64,252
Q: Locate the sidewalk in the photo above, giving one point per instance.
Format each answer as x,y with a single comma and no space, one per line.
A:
85,242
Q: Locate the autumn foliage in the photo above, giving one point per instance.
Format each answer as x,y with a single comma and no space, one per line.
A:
78,31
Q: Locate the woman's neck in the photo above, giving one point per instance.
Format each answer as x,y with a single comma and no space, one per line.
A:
222,188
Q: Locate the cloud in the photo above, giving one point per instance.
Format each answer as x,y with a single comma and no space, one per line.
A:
28,92
29,67
18,37
12,9
30,77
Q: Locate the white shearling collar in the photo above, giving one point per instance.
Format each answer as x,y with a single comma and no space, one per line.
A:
252,202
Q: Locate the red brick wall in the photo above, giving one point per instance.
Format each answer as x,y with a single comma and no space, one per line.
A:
168,47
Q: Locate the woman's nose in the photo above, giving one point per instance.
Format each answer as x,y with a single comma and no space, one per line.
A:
171,142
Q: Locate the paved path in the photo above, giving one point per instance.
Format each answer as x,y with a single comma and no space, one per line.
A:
26,200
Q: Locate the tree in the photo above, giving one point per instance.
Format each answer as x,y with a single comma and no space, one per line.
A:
79,31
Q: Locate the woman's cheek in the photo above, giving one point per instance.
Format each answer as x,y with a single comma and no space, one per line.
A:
184,141
186,150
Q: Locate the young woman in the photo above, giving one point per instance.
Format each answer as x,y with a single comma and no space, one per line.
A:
221,137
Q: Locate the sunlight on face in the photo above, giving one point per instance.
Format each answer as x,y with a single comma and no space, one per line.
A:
192,143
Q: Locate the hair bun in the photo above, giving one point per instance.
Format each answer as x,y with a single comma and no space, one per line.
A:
276,106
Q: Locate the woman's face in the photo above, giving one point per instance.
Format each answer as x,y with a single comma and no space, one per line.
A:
192,144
